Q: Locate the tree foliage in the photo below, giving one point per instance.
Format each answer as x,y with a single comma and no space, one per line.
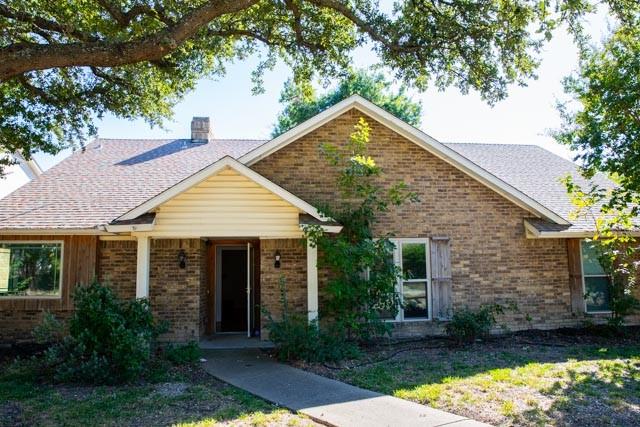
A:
618,251
301,101
63,63
362,275
603,123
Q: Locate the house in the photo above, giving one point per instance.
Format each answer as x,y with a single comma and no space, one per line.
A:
205,228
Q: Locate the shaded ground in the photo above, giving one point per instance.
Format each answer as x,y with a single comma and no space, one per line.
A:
544,378
184,397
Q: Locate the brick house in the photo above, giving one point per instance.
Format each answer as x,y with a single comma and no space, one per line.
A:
206,227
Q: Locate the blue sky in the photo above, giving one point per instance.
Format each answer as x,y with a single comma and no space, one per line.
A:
525,117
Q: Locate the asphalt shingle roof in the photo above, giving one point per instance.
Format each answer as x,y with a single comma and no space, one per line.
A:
535,172
113,176
109,178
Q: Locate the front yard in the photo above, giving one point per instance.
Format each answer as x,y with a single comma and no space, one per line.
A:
523,380
177,396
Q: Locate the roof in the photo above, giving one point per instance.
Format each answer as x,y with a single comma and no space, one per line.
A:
204,173
120,179
536,172
107,179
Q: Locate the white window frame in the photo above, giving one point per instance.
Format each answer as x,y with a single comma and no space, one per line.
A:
397,259
584,284
59,294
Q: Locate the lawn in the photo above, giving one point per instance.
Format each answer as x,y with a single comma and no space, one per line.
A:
175,396
521,380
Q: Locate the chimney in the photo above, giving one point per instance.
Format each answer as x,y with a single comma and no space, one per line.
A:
201,131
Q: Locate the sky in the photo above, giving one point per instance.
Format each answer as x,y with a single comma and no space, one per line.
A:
525,117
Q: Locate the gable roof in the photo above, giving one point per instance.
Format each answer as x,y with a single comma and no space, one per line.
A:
415,135
213,169
113,177
109,178
536,172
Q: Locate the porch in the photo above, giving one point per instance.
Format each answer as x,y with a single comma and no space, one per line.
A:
215,289
233,342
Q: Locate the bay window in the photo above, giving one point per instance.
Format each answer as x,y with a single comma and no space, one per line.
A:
30,269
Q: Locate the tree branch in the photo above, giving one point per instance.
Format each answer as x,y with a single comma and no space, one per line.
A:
39,23
19,59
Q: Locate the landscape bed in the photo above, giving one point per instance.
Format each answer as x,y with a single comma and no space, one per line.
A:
569,377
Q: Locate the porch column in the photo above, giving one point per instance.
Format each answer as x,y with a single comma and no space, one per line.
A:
312,281
142,267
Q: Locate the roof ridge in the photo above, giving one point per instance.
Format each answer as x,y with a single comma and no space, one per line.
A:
492,143
177,139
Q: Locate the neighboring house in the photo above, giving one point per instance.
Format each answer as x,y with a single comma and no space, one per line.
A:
206,227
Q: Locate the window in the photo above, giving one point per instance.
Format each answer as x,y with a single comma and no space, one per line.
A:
596,280
30,269
412,257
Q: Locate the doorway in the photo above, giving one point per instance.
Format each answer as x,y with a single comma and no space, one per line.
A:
232,289
235,288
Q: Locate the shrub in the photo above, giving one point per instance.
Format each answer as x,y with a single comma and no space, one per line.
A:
296,338
467,325
109,341
182,354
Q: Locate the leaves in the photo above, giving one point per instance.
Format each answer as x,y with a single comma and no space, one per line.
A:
65,63
302,102
361,287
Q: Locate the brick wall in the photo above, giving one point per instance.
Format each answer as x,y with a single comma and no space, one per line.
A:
491,258
293,266
117,266
174,292
176,295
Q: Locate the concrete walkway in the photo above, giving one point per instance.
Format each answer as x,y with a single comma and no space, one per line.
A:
322,399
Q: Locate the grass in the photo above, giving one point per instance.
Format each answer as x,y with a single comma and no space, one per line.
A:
506,382
182,397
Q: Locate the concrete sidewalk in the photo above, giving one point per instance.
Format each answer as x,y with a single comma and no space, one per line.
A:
322,399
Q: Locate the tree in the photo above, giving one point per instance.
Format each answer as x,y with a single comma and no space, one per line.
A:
63,63
360,291
301,101
602,124
604,127
617,249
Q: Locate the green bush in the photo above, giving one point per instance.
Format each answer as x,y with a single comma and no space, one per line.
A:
295,338
109,341
467,325
182,354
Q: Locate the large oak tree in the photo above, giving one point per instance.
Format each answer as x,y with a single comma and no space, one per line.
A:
65,62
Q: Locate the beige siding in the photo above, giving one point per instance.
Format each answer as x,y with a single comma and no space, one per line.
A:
227,204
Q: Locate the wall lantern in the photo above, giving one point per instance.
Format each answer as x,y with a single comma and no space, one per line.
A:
276,264
182,259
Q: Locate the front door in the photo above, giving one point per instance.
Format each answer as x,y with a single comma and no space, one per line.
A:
232,287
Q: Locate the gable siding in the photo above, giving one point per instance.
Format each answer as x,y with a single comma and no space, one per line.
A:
227,205
491,259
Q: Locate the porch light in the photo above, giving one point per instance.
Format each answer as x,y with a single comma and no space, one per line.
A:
182,259
276,264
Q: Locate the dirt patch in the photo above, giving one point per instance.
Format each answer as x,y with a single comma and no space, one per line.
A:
171,389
